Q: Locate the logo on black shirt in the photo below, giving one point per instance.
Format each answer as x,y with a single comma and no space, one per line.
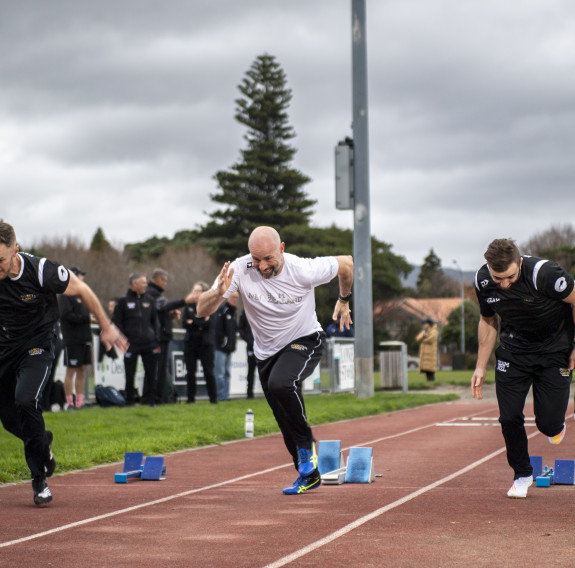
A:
560,284
28,297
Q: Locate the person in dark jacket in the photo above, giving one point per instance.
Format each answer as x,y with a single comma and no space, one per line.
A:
136,316
77,337
225,331
247,335
167,311
199,345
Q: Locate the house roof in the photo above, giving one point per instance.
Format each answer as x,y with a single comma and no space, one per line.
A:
435,308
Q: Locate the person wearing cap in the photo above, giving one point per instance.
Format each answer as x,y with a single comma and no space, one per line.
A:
427,339
75,319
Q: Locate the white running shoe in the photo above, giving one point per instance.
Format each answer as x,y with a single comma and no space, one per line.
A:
519,488
556,440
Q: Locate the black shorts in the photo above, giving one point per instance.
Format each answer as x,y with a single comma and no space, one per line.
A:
78,355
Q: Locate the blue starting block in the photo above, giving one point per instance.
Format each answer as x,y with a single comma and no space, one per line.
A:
329,456
135,467
537,465
545,479
562,474
359,467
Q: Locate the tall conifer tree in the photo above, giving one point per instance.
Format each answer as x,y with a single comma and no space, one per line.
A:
262,188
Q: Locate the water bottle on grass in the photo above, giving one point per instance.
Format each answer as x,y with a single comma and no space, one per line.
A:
249,423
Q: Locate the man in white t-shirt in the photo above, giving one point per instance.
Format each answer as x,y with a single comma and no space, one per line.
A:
277,291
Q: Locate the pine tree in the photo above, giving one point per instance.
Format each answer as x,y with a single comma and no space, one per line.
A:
262,188
99,242
432,282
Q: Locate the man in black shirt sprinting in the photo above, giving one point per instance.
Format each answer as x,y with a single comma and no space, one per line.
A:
531,300
28,311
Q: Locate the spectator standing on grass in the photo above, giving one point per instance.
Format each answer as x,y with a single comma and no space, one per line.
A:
75,319
277,290
28,312
48,400
225,338
136,316
167,311
427,339
247,335
198,346
529,303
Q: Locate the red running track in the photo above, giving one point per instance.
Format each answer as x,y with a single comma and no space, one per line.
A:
440,502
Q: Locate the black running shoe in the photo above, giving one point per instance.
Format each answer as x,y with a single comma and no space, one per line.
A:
49,461
42,493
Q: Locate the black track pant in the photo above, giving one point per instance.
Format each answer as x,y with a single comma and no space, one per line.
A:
194,352
282,377
150,361
514,375
22,380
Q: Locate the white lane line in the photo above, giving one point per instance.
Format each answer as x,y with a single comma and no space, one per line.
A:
140,506
378,512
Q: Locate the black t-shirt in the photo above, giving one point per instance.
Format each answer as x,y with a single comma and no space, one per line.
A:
533,316
29,305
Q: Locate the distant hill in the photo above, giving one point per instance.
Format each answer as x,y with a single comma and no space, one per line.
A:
411,280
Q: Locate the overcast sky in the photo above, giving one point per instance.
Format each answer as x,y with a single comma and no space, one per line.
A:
117,114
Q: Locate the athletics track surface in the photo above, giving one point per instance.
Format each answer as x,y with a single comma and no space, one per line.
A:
440,502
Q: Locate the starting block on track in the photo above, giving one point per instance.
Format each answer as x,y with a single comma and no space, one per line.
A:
135,467
562,474
545,479
358,469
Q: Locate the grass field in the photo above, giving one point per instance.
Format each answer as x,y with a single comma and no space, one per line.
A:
95,436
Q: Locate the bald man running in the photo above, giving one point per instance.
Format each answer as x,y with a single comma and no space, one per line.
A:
277,290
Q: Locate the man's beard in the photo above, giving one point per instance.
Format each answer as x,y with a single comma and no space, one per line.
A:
274,272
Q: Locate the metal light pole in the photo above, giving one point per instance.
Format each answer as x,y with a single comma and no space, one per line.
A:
462,309
363,303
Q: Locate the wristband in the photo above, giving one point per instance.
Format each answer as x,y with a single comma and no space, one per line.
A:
344,299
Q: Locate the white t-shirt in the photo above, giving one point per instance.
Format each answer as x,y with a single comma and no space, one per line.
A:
281,308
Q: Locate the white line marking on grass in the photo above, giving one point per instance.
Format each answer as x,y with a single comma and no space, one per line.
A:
378,512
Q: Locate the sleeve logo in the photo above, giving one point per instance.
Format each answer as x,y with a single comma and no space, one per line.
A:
62,273
560,284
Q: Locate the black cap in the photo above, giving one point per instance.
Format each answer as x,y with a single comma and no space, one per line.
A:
77,271
429,321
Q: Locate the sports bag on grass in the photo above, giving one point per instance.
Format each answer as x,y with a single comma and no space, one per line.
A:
109,396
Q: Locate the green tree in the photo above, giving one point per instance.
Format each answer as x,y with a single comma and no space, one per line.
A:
451,331
432,282
99,242
262,187
151,248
